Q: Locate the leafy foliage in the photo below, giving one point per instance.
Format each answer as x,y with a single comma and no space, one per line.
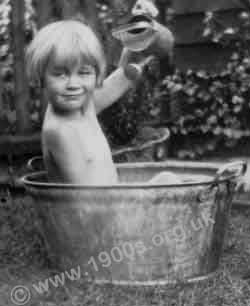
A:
212,110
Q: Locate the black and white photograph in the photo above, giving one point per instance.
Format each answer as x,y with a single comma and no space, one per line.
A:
124,153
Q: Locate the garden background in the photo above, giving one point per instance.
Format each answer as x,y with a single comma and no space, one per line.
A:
203,98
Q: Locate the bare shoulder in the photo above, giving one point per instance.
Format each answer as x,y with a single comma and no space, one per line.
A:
57,135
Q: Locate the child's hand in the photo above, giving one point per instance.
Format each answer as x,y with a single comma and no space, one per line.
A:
134,64
134,71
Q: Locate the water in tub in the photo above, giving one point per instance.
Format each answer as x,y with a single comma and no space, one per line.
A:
166,177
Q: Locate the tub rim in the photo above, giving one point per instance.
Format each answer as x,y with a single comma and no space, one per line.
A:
27,181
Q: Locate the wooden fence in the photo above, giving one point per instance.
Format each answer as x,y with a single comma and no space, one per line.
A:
192,49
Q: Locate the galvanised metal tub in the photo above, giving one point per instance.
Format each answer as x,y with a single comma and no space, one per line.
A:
135,233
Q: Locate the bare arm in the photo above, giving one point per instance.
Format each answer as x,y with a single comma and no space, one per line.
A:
120,80
114,86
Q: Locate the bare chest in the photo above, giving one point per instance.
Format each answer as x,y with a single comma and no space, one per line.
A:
92,143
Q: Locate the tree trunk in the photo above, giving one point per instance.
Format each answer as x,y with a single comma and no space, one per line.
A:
44,12
85,9
67,8
89,10
21,92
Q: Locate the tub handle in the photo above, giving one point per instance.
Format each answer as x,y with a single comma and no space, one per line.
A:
32,162
231,170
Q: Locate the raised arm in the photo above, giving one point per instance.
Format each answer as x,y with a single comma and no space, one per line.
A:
122,79
114,86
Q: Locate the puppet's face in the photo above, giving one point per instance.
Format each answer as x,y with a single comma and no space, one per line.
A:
124,10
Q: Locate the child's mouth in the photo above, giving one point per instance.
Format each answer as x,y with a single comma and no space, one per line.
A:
72,96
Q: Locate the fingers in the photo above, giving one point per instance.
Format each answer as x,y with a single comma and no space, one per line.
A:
134,71
145,62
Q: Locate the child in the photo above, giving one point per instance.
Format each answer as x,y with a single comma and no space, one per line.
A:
67,61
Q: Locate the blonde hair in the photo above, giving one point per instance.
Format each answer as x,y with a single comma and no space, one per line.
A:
71,41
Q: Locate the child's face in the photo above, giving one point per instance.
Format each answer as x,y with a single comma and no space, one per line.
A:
69,88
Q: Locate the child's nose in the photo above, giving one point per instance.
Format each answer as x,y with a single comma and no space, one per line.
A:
73,81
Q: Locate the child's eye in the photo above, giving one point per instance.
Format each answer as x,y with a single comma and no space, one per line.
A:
59,73
85,72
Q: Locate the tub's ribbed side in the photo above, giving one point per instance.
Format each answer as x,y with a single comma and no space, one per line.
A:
136,235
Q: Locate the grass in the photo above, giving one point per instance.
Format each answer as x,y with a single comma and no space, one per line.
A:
24,261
